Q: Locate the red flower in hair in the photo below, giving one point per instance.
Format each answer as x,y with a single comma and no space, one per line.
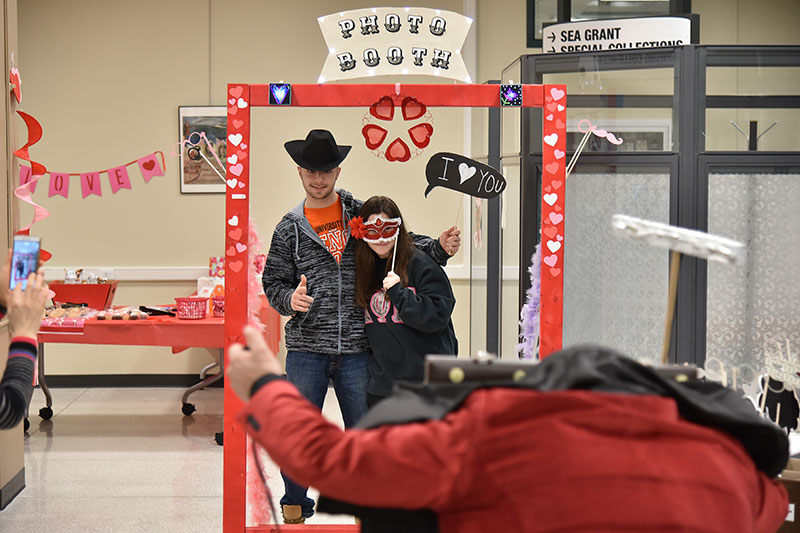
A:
356,227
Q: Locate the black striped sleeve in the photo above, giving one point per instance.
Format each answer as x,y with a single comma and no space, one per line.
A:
16,386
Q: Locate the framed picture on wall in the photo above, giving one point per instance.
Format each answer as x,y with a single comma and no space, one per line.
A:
202,131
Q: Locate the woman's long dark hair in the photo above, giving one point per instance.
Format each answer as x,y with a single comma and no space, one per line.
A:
368,279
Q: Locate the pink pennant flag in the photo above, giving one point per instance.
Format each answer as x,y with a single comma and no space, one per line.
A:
59,184
90,184
25,175
149,167
118,177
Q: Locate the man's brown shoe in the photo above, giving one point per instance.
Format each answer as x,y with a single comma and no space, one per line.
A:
292,514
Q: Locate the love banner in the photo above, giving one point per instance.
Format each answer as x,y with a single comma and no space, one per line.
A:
90,182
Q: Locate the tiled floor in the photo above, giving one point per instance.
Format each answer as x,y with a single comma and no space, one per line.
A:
126,459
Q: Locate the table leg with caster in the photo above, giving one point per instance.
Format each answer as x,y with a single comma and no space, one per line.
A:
45,412
189,408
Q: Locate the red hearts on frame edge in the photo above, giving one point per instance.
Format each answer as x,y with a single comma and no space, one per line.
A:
398,151
373,135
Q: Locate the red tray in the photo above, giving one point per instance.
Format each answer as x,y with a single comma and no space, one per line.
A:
94,295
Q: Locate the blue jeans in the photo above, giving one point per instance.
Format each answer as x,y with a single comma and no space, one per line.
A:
311,373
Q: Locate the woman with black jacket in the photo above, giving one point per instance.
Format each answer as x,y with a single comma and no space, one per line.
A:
406,297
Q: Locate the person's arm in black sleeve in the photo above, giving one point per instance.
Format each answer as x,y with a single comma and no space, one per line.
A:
432,247
428,307
280,275
16,386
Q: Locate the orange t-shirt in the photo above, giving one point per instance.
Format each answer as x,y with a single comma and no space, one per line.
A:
327,222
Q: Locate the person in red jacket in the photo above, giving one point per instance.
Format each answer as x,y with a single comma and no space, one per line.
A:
514,458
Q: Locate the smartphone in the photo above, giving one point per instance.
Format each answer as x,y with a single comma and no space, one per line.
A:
24,260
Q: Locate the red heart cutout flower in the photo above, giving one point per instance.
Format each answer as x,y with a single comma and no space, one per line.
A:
14,78
421,134
413,108
398,151
383,108
374,135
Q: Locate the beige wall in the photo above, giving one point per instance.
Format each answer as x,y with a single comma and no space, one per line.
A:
105,78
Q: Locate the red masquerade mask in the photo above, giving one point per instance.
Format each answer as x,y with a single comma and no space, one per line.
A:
376,231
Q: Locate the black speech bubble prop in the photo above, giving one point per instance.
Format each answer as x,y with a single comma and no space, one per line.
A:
462,174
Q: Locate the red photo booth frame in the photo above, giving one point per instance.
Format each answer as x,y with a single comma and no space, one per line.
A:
241,97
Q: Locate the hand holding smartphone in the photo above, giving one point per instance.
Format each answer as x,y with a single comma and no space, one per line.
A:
24,260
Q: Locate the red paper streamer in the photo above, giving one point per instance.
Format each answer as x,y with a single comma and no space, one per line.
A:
23,192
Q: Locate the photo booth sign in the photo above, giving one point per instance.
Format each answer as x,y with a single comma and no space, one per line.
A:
394,41
241,97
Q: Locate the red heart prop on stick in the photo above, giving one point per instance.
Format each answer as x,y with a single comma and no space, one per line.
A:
398,151
383,108
374,135
421,134
413,108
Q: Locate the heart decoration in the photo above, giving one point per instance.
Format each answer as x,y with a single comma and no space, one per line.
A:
552,168
555,218
237,169
233,110
560,124
553,246
550,199
551,139
279,91
15,79
398,151
550,260
232,183
373,135
557,184
557,208
236,266
560,107
555,272
233,159
548,189
149,165
421,134
235,234
383,108
549,117
236,92
241,155
559,238
240,247
241,185
234,221
230,252
241,104
243,146
557,93
232,101
235,138
466,172
558,153
412,108
238,123
551,107
550,231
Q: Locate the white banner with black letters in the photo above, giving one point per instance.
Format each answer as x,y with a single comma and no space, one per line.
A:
392,41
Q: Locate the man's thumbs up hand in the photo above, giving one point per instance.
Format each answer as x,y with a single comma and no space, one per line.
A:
300,299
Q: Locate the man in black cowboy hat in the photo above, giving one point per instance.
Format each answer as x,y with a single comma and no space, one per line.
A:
310,276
